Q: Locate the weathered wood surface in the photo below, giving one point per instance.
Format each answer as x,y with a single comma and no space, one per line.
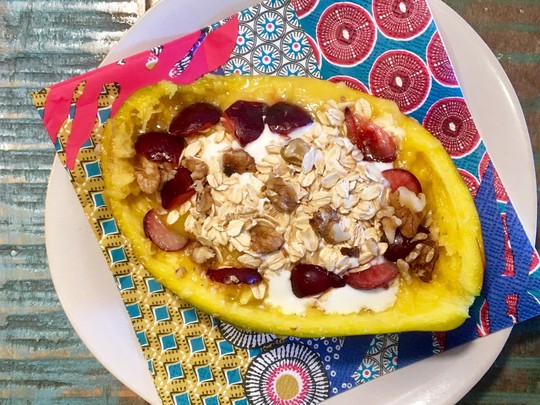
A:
42,360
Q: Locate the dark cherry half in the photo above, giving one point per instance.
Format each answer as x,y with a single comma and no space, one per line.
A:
235,276
284,117
245,120
195,118
177,190
376,144
309,279
160,147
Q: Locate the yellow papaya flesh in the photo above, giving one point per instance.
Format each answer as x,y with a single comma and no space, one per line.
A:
439,305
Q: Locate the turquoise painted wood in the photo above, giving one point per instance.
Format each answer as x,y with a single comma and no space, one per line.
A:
42,360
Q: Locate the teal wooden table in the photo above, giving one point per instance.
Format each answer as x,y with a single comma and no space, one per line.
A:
42,360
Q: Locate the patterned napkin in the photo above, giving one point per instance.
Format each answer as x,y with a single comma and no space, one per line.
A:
387,48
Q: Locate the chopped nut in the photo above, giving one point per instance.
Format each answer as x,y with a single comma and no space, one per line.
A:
410,221
198,169
237,161
294,151
265,239
281,194
424,265
204,200
147,175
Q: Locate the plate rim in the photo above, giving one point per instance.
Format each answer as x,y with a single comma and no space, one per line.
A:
499,337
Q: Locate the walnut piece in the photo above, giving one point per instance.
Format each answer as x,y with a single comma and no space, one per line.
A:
265,239
410,221
204,200
198,169
281,194
147,175
424,263
237,161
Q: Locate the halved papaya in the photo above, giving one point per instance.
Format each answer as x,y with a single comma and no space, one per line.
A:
440,304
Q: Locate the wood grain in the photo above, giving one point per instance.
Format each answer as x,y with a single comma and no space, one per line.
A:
42,360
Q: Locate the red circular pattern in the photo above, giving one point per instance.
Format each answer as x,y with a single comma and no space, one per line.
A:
439,63
450,121
470,181
400,76
401,19
500,191
346,34
304,7
351,82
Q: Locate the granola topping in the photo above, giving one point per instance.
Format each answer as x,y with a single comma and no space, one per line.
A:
309,197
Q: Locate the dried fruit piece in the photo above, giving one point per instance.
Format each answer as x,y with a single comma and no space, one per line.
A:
195,118
245,120
161,236
294,151
322,218
237,161
284,117
402,178
235,276
265,239
309,279
281,194
177,190
375,143
378,275
160,147
351,252
400,247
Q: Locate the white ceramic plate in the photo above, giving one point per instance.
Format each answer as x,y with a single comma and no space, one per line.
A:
92,303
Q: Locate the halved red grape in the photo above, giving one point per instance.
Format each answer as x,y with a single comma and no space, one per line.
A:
376,144
177,190
284,117
378,275
402,177
195,118
235,276
161,236
309,279
245,119
160,147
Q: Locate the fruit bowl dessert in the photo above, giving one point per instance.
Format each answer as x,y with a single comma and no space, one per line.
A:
293,206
